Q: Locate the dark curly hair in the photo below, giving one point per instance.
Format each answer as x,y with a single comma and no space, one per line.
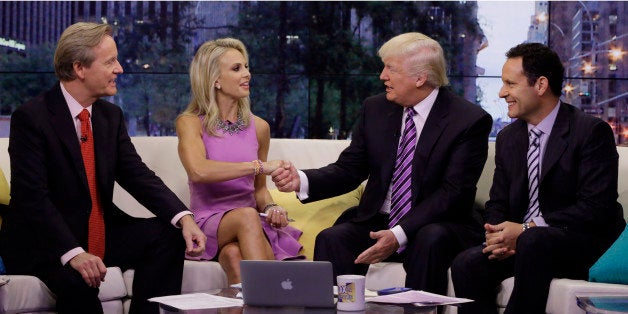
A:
539,60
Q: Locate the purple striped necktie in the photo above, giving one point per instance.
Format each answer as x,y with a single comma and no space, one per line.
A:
401,195
534,156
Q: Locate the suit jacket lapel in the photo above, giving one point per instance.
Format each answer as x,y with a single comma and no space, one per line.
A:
556,144
519,145
102,143
63,125
393,128
435,123
517,156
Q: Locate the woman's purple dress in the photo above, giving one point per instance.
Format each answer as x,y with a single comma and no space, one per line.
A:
210,201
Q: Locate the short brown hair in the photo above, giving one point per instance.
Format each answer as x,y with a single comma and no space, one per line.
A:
75,45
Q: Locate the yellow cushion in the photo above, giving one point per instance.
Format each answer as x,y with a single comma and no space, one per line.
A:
4,189
313,217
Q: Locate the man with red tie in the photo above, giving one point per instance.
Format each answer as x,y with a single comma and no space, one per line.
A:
422,149
67,148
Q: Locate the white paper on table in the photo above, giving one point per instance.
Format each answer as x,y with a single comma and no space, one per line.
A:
195,301
418,298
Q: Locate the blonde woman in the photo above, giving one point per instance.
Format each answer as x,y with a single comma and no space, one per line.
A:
223,147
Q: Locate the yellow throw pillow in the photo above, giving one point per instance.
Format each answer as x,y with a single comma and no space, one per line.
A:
4,192
313,217
4,189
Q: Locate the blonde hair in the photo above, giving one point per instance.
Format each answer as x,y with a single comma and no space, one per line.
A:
75,45
204,71
423,55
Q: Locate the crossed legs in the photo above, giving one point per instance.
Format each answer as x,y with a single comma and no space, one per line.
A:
241,236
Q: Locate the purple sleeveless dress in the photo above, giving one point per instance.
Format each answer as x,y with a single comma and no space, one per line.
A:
210,201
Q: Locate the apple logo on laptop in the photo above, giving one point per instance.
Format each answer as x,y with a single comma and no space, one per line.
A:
286,284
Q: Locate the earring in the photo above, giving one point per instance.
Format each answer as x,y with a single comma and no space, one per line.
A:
217,86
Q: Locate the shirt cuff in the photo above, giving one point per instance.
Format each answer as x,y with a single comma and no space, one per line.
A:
304,191
401,237
65,258
539,221
177,217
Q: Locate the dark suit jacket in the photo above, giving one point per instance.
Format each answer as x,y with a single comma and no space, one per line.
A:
447,164
50,203
578,180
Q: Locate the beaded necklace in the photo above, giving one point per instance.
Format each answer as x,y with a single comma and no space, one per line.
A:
231,128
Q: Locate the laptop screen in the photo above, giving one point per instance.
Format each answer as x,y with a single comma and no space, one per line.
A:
287,283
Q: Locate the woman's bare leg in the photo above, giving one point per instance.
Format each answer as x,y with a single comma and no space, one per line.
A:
229,258
242,225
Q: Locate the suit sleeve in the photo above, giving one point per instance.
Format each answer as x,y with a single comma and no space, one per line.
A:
29,185
498,204
595,205
453,198
141,182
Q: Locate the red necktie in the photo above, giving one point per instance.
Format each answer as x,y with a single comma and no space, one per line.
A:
96,234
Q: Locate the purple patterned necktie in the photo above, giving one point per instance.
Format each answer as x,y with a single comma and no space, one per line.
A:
400,198
533,175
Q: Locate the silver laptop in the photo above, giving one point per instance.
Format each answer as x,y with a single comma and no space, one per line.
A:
287,283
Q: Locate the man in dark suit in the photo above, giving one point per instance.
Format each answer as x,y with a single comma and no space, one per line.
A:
553,205
422,149
57,202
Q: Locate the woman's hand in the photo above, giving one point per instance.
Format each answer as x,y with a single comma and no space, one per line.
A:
272,165
277,216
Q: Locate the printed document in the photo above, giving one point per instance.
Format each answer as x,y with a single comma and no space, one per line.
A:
418,298
195,301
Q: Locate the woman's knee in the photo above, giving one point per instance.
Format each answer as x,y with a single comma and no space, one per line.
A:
244,217
230,254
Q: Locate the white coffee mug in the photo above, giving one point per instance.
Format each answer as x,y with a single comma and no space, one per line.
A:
351,292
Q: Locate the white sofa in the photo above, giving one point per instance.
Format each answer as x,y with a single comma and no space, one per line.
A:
29,294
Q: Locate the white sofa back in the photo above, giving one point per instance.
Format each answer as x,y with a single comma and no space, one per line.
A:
160,154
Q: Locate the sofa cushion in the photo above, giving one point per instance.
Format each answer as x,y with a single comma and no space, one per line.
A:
612,266
4,189
198,276
385,275
29,294
505,289
4,193
202,276
113,288
25,294
563,292
313,217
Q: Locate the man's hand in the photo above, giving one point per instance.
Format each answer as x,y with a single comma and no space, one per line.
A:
385,246
195,239
272,165
501,239
91,268
286,178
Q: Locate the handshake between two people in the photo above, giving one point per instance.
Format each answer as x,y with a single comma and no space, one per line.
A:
284,175
286,179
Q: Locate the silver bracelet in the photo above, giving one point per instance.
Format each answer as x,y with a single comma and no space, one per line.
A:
526,226
268,206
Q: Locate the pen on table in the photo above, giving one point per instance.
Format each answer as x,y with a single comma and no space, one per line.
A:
266,215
